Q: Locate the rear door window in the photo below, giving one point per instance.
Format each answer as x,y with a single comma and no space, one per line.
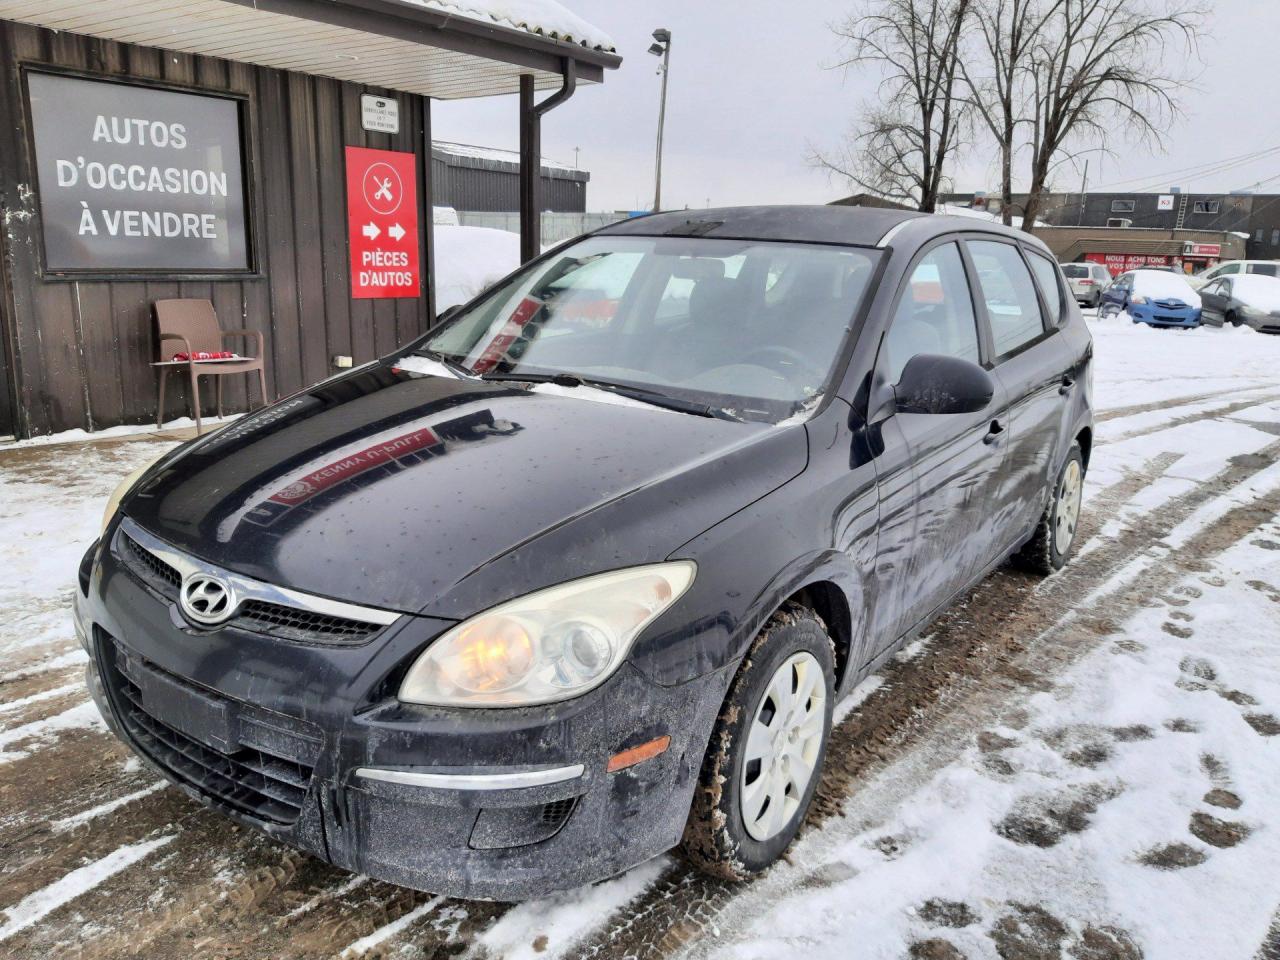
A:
1010,295
1266,269
1047,276
935,313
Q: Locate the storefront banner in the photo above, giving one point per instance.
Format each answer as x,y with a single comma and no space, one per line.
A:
382,223
137,178
1119,263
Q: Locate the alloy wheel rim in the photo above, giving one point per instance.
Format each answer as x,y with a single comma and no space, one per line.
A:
783,742
1067,513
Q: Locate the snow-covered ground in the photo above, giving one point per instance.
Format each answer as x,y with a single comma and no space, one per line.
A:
1083,767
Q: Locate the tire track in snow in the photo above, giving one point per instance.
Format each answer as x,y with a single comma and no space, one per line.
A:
39,904
1006,638
1119,413
1182,421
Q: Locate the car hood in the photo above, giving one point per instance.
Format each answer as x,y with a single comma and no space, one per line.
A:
400,490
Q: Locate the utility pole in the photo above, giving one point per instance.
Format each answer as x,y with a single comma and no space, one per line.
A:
1084,185
660,48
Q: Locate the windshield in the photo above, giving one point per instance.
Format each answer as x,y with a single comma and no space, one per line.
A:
1075,270
748,329
1160,285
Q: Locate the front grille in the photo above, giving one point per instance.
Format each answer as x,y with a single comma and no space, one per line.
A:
265,785
291,623
257,616
555,813
151,569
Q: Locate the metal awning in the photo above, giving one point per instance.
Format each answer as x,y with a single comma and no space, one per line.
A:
395,44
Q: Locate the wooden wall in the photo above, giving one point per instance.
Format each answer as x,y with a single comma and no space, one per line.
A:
82,348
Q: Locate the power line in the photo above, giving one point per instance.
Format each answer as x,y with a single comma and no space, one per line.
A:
1196,170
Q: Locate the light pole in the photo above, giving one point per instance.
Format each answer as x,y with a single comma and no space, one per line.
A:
660,48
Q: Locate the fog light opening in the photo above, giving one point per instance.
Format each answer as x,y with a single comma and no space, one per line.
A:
633,755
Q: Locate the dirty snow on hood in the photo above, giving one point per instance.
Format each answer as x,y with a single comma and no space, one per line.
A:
545,17
1161,285
1258,291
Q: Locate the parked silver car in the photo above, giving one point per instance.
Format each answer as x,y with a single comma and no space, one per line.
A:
1250,299
1087,281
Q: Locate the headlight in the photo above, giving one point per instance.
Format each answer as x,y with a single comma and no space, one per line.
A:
113,501
1138,300
551,645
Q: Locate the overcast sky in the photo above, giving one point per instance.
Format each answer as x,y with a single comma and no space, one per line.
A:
749,95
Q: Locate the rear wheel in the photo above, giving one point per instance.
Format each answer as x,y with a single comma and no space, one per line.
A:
1050,546
1232,319
766,751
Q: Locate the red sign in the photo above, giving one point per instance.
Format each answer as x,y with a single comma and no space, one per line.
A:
1119,263
1203,249
382,217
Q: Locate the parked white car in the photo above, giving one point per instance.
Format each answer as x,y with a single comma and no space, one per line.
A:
1087,281
1229,268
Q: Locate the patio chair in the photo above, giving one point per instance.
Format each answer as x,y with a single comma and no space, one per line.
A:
191,327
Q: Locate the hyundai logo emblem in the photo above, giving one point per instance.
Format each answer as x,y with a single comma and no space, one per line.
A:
206,599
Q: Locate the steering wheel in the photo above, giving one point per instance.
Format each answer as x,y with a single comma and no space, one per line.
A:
780,358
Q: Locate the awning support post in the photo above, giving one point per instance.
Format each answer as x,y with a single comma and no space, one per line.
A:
531,156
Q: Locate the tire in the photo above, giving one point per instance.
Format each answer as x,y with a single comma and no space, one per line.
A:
1097,300
725,836
1232,319
1050,546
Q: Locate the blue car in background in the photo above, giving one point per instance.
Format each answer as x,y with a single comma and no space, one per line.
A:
1157,297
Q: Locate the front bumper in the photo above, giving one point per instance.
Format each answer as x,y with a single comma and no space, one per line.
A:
304,743
1158,316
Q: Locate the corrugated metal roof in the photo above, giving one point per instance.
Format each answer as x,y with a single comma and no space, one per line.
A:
412,45
542,17
446,150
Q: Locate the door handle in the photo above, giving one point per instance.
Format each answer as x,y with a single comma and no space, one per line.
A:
993,432
1068,382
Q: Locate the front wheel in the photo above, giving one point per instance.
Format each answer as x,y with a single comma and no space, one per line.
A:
1050,546
1233,319
765,756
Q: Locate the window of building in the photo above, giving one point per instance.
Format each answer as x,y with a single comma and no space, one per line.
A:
1010,295
1122,206
935,313
1206,206
1275,238
1119,222
1258,236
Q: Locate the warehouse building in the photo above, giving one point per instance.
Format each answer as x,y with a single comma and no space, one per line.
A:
487,180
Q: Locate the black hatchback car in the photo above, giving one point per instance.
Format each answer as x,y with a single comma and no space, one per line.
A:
578,576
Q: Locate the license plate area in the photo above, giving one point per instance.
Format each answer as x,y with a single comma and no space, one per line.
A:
200,716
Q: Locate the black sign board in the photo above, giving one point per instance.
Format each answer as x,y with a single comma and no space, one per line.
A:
137,179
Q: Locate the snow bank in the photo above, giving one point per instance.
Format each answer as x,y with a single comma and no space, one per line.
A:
1163,285
1257,291
468,259
545,17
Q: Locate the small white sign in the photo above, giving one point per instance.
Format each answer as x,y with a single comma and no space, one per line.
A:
379,114
1165,202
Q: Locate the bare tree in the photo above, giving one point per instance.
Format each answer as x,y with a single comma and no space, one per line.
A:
1100,65
997,77
901,148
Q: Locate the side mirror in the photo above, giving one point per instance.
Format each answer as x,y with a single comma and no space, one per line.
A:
937,384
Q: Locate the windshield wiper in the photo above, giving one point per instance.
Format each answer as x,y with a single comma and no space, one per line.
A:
643,394
452,363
